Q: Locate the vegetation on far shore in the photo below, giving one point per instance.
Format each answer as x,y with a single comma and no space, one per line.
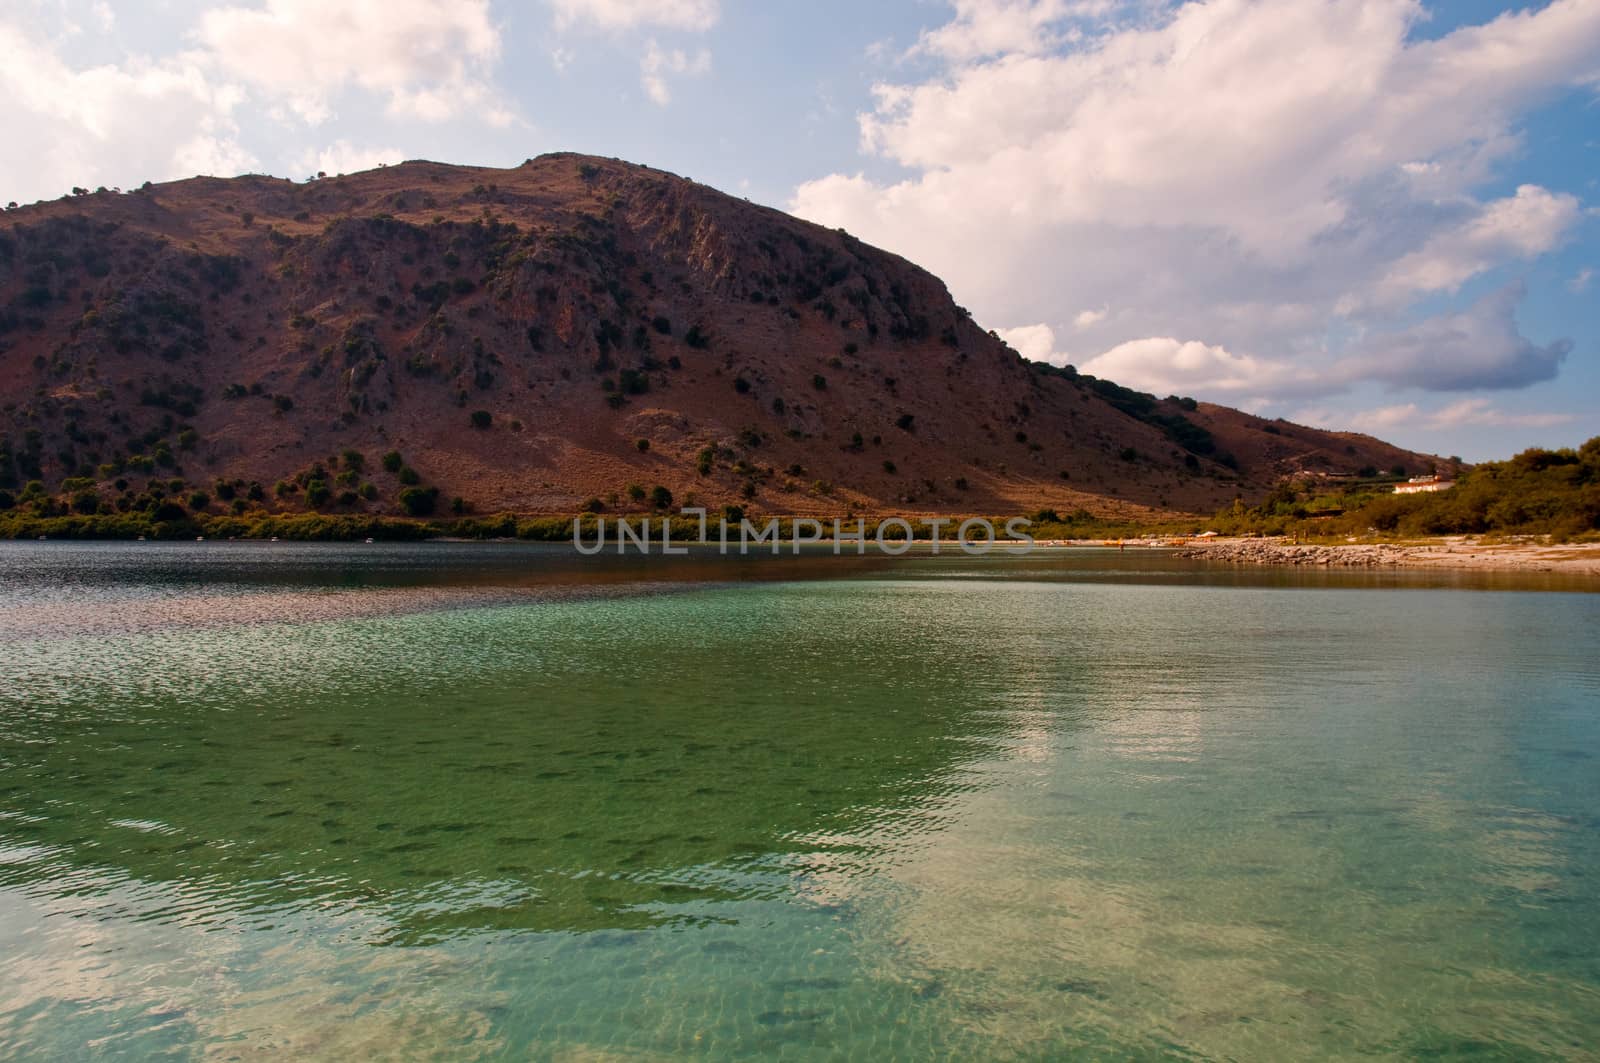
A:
1553,493
318,527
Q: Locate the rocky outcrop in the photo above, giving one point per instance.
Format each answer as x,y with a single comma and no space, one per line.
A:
1274,552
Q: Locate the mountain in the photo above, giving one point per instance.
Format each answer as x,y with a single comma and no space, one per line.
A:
535,338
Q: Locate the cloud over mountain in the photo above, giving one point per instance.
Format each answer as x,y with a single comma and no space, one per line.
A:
1251,185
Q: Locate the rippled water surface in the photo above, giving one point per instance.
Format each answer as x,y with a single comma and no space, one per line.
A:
485,801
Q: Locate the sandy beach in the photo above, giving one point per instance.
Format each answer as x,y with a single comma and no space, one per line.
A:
1457,551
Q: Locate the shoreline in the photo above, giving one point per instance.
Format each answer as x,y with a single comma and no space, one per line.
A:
1452,552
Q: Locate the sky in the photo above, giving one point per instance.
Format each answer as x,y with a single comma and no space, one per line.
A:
1380,215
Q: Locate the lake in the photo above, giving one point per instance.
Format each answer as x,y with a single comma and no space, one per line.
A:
463,801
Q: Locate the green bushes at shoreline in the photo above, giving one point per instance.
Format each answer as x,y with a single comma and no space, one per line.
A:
315,527
300,526
1537,492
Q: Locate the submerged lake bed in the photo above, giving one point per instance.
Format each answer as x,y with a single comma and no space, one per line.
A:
465,801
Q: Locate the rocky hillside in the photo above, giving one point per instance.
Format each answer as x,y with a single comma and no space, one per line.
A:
536,339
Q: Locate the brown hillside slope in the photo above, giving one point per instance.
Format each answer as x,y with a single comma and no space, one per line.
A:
248,329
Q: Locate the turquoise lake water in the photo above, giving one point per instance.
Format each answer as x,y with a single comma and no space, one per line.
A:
493,801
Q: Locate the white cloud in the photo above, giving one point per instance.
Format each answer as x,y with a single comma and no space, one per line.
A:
1580,281
1385,417
1480,413
1088,318
1272,178
1037,343
658,63
429,57
1479,347
1521,226
110,124
615,15
343,157
293,61
996,27
1164,365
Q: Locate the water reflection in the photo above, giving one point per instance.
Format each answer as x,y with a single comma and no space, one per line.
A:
912,812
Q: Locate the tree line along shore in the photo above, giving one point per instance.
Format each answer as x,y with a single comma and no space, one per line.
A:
1552,494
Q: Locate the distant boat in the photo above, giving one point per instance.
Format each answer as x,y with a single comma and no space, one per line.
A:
369,538
274,538
199,538
141,538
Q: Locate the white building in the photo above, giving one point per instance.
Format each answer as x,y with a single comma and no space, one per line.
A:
1419,484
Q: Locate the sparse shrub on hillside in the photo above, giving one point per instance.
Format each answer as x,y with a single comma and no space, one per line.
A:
660,497
696,338
889,467
741,385
419,501
392,461
482,419
636,492
642,445
819,382
408,475
662,325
